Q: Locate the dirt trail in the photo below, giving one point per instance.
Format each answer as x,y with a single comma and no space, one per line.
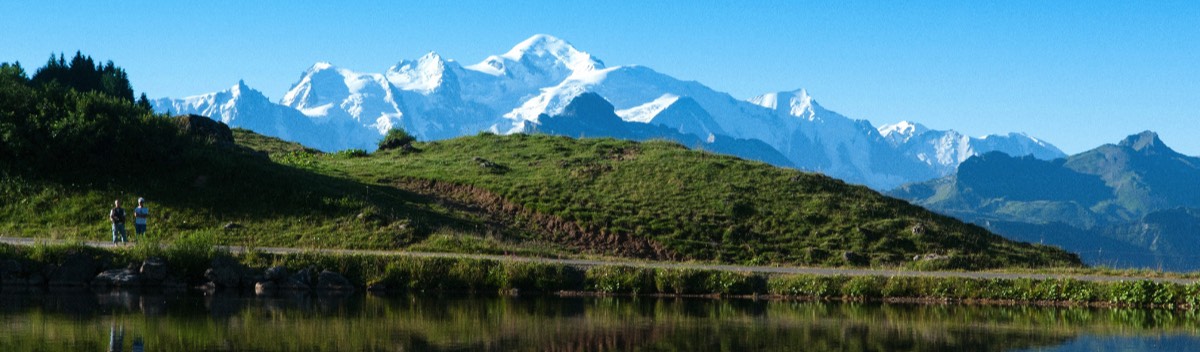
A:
665,265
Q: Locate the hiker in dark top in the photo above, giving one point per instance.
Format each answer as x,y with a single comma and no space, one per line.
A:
117,217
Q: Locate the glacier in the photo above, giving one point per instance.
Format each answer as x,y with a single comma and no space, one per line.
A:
333,108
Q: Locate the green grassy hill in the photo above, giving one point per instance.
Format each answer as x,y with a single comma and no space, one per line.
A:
661,200
531,194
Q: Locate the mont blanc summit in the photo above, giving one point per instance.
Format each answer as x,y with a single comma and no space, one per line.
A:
432,97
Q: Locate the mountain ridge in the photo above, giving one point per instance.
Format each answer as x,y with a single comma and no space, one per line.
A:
436,98
1138,192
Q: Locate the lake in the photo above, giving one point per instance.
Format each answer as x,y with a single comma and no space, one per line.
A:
193,321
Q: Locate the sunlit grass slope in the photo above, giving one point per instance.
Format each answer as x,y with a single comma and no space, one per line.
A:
685,204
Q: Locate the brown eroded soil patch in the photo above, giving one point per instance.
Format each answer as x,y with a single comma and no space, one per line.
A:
496,208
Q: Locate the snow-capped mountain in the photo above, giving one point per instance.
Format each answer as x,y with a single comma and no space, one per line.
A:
242,106
627,87
333,95
823,140
539,61
434,98
426,75
591,115
682,114
945,150
900,132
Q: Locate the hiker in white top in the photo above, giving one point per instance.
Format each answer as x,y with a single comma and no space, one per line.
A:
140,215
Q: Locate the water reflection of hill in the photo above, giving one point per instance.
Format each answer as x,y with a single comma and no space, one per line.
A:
356,322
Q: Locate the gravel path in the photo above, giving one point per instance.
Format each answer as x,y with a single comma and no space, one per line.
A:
665,265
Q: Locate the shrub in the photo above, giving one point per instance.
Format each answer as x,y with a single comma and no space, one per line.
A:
806,285
619,279
191,253
1016,289
395,274
146,248
899,286
351,153
1191,295
299,158
863,287
536,277
729,282
43,252
9,251
468,274
429,274
1142,292
680,281
1064,290
953,287
396,138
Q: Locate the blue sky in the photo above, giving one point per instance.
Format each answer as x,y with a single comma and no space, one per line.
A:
1078,74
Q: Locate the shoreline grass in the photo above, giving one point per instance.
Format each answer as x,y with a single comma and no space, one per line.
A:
189,258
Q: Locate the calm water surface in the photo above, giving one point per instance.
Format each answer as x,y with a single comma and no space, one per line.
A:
125,321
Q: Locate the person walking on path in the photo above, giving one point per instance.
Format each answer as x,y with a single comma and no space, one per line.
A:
117,217
140,215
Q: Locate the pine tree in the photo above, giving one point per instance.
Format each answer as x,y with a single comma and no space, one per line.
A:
13,70
82,74
55,70
143,102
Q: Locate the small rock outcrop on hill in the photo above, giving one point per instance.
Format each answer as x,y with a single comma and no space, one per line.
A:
204,128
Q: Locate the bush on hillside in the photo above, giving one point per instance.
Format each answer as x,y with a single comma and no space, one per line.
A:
396,138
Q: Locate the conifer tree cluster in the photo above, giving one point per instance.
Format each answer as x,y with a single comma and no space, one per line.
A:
77,117
84,75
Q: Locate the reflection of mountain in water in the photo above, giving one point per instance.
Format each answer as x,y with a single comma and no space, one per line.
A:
355,322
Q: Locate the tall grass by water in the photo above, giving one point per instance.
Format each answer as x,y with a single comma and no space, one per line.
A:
189,258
